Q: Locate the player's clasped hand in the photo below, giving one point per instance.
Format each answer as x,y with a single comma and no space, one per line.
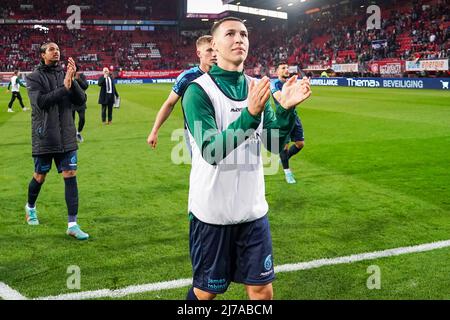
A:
72,65
295,92
71,70
258,96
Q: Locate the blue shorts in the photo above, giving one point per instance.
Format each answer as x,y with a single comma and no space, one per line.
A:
297,131
64,162
239,253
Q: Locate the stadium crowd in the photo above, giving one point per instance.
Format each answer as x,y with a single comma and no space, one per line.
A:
409,31
92,9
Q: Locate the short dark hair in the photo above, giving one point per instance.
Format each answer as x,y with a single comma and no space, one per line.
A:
16,71
44,46
280,63
217,24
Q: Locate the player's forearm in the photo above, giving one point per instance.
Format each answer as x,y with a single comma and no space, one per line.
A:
214,145
77,95
277,127
20,83
45,101
221,145
162,116
83,83
9,85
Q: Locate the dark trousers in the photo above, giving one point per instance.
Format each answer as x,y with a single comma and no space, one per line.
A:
13,97
108,106
81,118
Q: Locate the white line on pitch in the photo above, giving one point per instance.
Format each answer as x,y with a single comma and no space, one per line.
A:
362,256
8,293
283,268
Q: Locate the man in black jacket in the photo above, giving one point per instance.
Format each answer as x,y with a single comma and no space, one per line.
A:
52,94
107,94
81,110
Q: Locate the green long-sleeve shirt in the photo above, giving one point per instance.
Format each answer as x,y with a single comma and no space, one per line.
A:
198,107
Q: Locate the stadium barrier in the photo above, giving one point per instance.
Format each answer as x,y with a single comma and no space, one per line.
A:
404,83
136,81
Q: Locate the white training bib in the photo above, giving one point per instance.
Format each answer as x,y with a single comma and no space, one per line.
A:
14,84
233,190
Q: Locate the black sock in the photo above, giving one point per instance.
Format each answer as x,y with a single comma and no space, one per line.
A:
284,159
191,295
33,191
293,150
71,197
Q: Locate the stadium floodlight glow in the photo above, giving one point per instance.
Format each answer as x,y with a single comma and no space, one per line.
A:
205,19
215,7
279,8
257,11
41,28
290,4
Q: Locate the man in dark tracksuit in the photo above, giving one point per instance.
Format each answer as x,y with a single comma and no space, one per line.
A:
52,94
81,79
107,95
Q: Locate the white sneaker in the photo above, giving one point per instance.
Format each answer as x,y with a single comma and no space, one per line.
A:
25,109
10,110
290,178
31,216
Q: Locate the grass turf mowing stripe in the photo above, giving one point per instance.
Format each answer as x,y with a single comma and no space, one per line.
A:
7,293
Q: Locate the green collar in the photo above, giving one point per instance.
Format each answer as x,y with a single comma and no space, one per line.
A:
231,77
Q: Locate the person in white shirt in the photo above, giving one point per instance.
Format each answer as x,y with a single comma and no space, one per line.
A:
15,84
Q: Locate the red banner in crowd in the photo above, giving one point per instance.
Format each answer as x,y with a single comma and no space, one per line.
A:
154,74
92,75
5,77
391,67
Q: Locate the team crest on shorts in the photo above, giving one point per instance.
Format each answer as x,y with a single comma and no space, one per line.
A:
268,262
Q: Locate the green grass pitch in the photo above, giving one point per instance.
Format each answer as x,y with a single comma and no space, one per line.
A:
374,175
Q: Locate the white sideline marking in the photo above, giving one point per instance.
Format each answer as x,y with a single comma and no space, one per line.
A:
362,256
6,292
121,292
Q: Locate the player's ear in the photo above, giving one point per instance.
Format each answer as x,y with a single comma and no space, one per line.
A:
214,45
198,53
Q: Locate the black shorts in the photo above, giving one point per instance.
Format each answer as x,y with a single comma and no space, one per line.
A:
64,162
239,253
297,131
